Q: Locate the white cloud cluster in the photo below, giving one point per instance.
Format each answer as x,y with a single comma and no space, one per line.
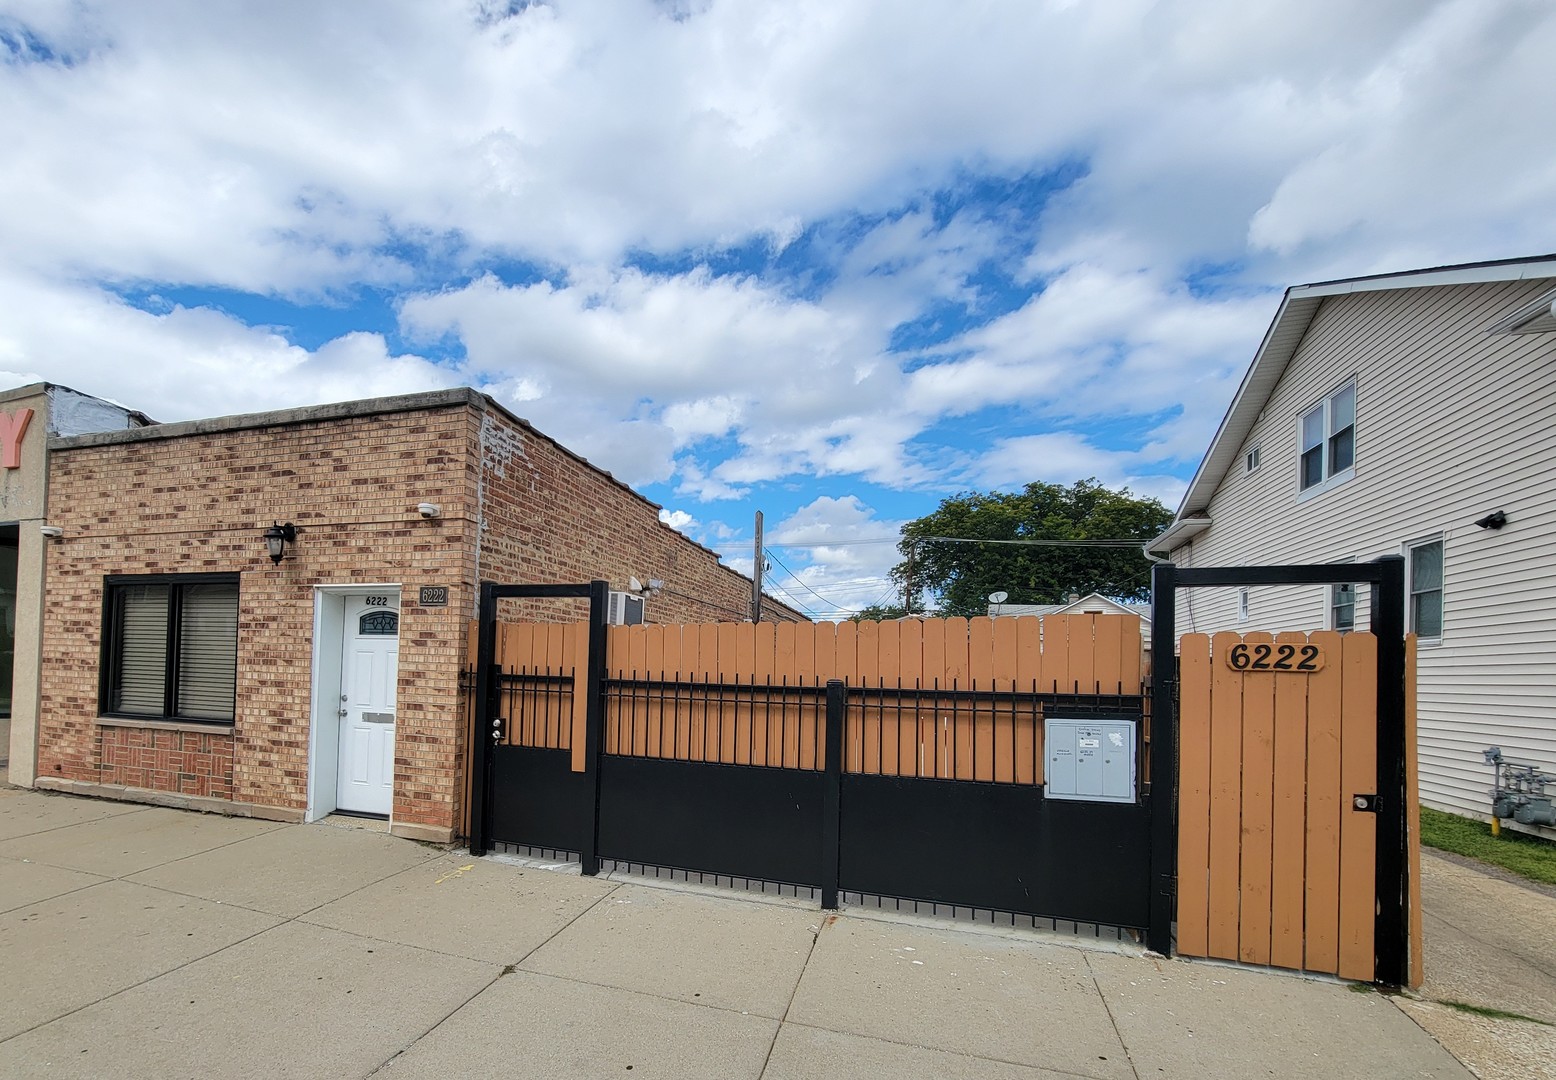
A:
1210,151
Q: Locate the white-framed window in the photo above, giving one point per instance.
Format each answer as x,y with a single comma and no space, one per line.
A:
1326,440
1342,607
1424,588
1251,458
1242,605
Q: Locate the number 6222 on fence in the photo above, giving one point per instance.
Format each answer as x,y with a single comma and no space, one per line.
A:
1299,659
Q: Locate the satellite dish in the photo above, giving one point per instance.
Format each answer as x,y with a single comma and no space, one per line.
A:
999,597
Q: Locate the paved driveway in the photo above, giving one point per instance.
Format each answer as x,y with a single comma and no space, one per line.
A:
144,942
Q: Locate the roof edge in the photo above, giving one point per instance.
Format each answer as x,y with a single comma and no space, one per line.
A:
307,414
1298,306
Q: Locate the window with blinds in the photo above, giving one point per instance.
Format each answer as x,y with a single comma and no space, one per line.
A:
172,647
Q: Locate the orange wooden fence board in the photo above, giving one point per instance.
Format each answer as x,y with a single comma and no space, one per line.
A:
1226,798
1289,815
1082,669
1194,794
1321,946
1056,655
912,733
880,743
1253,936
1358,831
1108,641
864,738
578,663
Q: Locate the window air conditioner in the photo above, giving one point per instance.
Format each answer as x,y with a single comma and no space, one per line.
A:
624,609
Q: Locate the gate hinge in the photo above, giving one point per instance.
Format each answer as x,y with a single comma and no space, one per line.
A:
1369,804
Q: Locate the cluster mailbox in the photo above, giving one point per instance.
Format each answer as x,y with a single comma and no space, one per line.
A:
1089,760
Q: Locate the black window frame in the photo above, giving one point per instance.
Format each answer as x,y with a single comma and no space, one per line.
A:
111,651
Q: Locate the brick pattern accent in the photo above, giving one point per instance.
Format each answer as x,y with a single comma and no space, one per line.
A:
188,762
516,506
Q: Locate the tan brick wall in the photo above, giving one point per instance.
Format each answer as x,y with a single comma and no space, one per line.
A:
197,503
552,519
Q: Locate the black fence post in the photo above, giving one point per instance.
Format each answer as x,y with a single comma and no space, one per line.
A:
1391,928
481,745
832,800
594,704
1164,756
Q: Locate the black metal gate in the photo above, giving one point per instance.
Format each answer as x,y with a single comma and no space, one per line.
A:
819,816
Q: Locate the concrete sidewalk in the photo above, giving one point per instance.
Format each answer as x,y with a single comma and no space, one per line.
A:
144,942
1490,945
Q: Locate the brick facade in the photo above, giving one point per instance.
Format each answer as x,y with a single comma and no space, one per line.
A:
194,498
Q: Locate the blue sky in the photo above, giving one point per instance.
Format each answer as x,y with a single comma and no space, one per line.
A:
833,261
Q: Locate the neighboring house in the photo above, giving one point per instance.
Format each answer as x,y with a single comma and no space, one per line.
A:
268,614
1091,604
29,417
1407,414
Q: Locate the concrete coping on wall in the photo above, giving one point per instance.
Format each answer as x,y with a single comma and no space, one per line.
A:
308,414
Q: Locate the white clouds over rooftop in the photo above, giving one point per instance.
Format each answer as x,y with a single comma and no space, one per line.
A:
777,249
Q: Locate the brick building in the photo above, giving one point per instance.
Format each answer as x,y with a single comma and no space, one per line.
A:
183,664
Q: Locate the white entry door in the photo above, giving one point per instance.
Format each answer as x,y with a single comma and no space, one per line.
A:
368,677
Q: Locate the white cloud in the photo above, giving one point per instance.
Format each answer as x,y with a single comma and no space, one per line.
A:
1064,457
1218,150
835,553
190,362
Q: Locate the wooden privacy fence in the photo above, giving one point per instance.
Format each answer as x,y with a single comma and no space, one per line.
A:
1277,864
949,698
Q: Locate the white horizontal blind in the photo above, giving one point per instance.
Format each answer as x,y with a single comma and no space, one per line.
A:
208,652
143,615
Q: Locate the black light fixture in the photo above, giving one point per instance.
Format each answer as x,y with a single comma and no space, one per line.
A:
276,539
1494,520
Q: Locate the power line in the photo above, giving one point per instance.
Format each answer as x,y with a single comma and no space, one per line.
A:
1120,542
824,599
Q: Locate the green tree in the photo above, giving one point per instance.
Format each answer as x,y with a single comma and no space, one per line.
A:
962,575
879,613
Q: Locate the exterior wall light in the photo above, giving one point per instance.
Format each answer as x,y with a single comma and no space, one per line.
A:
1494,520
52,532
276,539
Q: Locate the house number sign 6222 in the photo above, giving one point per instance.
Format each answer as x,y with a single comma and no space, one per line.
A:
1302,659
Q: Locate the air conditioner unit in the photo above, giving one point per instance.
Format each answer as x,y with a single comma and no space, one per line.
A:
624,609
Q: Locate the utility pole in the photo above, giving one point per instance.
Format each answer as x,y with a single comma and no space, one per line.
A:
907,590
757,566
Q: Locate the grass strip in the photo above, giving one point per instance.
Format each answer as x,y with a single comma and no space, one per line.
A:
1494,1014
1527,856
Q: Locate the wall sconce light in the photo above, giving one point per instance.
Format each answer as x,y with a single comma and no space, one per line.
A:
52,532
429,510
1493,520
276,539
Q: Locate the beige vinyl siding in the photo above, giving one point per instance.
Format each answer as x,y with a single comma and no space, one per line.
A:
1451,424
